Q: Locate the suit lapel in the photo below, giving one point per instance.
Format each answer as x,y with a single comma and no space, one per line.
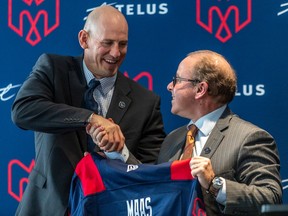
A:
120,102
77,82
217,134
178,138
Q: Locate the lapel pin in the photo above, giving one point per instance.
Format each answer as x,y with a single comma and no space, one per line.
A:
207,150
122,104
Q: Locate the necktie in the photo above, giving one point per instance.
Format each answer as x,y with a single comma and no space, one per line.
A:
91,104
190,142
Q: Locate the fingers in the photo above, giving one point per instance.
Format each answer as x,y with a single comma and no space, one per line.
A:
110,119
96,132
112,140
88,127
108,136
201,168
198,162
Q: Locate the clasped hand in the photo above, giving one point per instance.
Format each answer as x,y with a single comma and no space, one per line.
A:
106,134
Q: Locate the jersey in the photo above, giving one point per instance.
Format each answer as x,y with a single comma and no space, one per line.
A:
104,187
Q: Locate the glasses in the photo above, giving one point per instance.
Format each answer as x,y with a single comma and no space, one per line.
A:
176,80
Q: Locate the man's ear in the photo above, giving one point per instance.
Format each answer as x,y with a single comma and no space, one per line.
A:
202,89
83,38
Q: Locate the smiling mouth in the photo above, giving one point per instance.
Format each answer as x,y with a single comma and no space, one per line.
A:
109,61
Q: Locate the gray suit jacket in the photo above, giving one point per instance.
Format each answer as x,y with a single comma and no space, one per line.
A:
242,153
50,103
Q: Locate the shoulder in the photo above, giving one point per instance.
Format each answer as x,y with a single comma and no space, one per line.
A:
53,62
54,58
247,128
240,122
176,133
134,88
233,121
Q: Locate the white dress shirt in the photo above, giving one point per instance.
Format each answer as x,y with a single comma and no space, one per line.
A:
205,125
102,95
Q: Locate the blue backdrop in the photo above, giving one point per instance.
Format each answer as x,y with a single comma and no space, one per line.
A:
252,34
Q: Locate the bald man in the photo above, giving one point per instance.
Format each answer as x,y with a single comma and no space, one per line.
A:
51,103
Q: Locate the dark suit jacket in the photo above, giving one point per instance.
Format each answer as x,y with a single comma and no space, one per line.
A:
50,103
242,153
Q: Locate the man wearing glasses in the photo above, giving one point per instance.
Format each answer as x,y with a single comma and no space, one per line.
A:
236,162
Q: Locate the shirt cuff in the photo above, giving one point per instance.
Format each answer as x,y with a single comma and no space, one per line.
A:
221,196
123,155
89,119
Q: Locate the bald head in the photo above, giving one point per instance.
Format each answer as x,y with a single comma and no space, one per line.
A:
105,15
104,40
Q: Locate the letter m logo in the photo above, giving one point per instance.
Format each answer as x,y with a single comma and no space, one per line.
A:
223,17
17,179
30,19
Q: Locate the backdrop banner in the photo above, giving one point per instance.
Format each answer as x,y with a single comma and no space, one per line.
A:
251,34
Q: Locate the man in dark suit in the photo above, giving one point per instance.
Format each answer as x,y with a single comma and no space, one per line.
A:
50,102
236,162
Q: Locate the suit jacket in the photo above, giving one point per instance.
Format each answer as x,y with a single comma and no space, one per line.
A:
50,103
242,153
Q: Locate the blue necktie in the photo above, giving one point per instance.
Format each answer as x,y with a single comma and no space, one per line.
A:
91,104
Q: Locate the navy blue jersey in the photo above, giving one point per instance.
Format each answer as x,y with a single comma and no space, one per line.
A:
103,187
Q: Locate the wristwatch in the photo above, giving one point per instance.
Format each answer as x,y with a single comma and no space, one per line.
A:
215,186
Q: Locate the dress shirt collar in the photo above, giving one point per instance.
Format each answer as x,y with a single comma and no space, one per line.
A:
107,83
207,122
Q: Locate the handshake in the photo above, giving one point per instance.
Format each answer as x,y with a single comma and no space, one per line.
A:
105,134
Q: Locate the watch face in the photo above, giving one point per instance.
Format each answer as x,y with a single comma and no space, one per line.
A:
217,182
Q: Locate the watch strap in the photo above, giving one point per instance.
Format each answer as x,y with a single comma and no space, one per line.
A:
211,189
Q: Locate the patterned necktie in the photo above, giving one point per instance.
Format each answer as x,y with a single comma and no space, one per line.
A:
190,143
91,104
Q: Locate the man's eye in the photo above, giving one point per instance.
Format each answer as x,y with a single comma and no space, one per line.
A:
124,44
106,43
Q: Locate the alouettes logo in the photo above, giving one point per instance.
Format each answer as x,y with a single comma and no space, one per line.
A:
17,178
40,21
223,17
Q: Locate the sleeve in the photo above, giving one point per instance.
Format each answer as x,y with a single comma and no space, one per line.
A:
43,102
86,181
257,176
